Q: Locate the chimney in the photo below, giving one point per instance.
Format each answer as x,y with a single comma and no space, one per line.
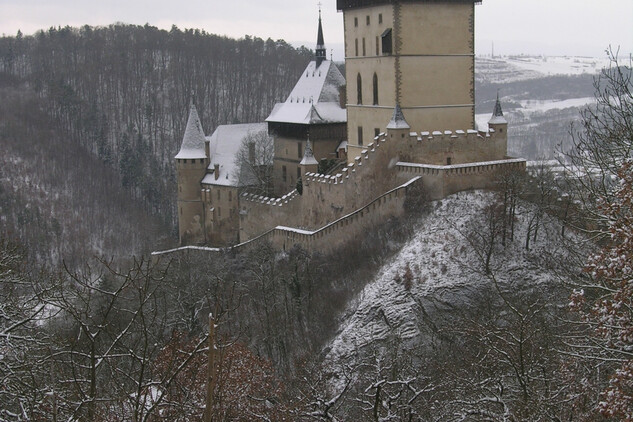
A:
216,171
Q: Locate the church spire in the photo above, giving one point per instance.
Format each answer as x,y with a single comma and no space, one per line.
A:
320,47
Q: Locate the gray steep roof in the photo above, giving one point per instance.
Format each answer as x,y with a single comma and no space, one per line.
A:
314,99
193,141
397,120
224,146
308,156
497,114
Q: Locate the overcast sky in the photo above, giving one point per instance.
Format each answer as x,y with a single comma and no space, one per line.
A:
551,27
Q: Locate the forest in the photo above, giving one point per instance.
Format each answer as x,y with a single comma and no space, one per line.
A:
515,307
109,104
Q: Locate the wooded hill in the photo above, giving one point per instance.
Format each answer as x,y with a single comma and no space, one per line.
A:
121,94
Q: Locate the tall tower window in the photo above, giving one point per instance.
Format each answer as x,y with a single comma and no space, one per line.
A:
299,150
356,47
386,41
368,21
364,49
375,89
380,18
284,173
355,21
359,89
377,46
360,135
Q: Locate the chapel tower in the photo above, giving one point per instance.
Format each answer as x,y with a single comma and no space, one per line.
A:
418,54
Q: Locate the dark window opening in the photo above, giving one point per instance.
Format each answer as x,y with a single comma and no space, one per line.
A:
360,135
448,161
355,21
377,46
376,132
364,49
356,47
284,175
359,89
386,41
380,18
368,21
299,150
375,89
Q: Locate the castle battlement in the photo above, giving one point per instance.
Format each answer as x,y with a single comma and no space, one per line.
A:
277,202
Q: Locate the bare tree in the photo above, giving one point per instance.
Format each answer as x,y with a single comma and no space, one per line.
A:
254,163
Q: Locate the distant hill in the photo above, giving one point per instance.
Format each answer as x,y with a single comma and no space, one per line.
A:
541,97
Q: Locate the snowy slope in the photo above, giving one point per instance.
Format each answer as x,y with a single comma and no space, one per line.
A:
446,274
518,68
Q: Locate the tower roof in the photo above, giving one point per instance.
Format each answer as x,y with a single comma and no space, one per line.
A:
497,113
314,99
193,141
398,121
320,53
308,156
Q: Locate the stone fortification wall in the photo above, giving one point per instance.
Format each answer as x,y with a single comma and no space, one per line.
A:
342,230
453,147
325,198
441,181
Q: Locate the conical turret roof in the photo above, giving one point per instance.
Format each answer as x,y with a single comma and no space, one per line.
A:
497,114
308,156
193,141
398,121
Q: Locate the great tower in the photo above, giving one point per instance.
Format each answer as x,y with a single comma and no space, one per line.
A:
418,54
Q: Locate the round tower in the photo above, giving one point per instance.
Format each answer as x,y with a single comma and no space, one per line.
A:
191,165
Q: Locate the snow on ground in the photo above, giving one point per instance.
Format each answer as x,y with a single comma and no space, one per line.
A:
445,274
518,68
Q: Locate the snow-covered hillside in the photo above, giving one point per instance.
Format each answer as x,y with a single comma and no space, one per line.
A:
446,273
517,68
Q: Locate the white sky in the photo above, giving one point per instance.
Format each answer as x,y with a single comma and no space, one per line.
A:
551,27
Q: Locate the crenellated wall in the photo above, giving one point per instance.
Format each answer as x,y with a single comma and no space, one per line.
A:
325,198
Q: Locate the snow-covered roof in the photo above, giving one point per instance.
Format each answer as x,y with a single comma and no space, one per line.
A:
397,120
224,145
193,141
308,156
314,99
497,114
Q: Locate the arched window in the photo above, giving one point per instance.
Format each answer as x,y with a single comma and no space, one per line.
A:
359,89
375,89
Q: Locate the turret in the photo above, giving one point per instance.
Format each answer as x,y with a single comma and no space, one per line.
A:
498,125
398,128
308,164
497,122
191,165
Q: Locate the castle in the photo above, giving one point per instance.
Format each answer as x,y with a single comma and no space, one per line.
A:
402,124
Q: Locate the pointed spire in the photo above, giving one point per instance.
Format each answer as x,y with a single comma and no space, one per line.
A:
193,140
497,114
308,156
398,121
320,53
